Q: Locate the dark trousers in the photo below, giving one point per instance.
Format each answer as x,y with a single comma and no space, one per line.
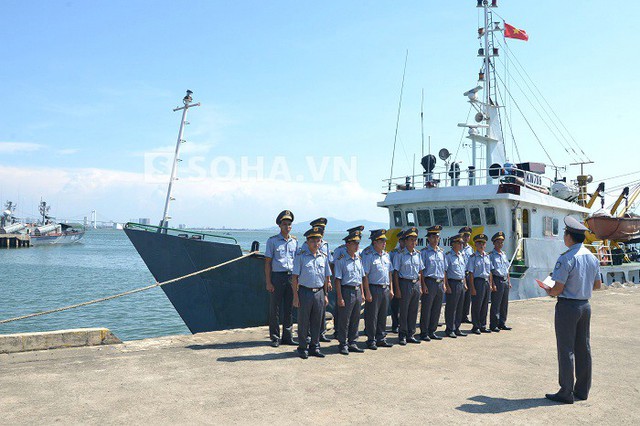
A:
349,315
375,313
310,317
431,307
281,299
499,302
466,302
480,303
395,312
409,304
572,322
453,308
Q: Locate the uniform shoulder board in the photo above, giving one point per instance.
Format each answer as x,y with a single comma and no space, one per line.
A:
341,256
449,252
294,237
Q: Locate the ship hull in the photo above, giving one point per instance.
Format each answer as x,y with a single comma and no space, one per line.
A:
56,239
232,296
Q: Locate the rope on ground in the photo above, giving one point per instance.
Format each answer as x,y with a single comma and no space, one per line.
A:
126,293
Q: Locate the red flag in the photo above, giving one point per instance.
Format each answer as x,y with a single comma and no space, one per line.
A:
512,32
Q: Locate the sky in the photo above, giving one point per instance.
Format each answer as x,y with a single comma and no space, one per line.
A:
298,100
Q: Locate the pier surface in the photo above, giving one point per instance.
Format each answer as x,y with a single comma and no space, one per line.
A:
236,377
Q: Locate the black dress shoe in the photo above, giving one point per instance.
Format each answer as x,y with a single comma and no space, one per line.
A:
303,354
426,338
324,338
451,334
372,345
394,330
460,333
275,343
344,350
465,320
476,331
485,330
384,344
402,341
434,336
412,340
495,329
559,398
355,348
316,353
289,342
579,397
504,327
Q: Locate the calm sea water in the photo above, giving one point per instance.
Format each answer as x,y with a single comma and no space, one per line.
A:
105,263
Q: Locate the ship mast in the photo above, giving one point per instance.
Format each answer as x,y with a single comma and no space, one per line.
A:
487,130
164,223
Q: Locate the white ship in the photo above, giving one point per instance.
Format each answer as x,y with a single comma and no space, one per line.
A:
494,194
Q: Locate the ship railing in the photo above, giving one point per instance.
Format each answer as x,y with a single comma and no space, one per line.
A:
602,251
469,177
183,233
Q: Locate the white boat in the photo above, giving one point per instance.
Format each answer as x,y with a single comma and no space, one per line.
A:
48,232
493,194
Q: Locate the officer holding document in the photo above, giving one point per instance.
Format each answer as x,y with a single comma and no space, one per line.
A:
576,274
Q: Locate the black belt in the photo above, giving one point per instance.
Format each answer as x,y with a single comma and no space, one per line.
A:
354,287
500,278
411,280
454,280
314,290
379,285
481,278
437,280
282,272
567,299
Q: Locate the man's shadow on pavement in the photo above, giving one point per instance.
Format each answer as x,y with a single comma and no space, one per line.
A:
259,357
490,405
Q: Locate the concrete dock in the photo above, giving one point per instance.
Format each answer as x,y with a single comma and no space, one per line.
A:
236,377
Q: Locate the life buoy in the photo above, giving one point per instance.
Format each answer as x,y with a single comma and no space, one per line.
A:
603,255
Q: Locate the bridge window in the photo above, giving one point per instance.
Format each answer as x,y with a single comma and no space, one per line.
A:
556,225
441,217
490,215
411,219
476,219
397,219
424,218
458,217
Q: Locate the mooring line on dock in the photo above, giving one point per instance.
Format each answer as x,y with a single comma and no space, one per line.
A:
126,293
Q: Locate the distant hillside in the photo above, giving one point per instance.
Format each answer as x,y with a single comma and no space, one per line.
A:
333,225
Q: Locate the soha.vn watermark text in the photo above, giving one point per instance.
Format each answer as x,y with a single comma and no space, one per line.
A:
158,165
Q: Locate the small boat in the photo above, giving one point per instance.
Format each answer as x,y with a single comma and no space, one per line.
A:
606,227
48,232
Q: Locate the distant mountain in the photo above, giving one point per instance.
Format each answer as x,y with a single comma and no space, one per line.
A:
333,225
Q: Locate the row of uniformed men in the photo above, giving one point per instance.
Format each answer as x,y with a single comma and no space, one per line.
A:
369,274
